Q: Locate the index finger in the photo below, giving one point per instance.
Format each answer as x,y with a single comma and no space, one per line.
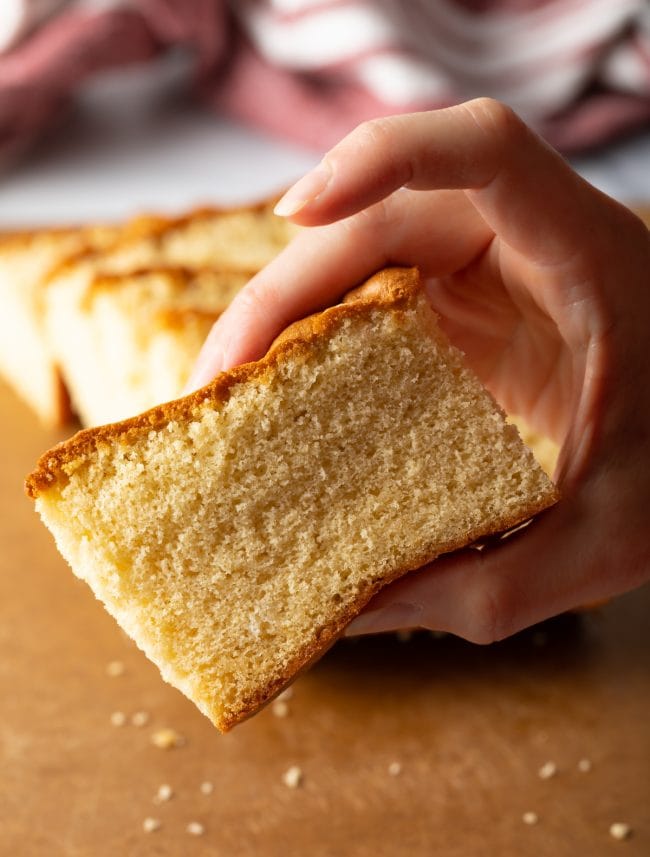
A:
516,186
321,264
524,190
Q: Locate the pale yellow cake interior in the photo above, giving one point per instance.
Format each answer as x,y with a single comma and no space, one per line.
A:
232,542
26,361
142,334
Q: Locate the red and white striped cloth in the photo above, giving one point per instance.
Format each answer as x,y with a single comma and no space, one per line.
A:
310,70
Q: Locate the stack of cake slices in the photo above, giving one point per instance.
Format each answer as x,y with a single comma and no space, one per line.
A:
106,321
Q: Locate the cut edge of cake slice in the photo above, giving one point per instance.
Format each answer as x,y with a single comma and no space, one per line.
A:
128,341
26,360
234,533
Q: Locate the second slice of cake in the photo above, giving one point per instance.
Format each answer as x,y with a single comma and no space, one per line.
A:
134,337
107,350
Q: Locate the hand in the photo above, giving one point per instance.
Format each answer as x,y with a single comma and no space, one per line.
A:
543,282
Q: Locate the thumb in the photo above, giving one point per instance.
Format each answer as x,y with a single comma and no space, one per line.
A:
490,593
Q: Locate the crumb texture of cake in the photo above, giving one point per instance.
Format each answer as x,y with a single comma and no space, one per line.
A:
235,532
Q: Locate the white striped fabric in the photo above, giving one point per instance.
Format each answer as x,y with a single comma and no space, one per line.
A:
537,59
17,17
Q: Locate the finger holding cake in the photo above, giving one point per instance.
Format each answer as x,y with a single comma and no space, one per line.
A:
541,280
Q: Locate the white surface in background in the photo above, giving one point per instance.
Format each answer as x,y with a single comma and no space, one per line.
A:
180,161
137,144
133,147
108,171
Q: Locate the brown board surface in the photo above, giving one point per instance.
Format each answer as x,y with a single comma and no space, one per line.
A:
470,727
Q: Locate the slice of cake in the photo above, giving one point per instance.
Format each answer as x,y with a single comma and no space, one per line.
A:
235,532
140,334
26,362
241,239
235,243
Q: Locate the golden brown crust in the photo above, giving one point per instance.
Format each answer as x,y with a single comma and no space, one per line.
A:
181,279
21,238
390,287
24,237
153,227
139,226
177,318
178,274
64,413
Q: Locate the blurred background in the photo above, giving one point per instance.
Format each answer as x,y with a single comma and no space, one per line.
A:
111,107
413,744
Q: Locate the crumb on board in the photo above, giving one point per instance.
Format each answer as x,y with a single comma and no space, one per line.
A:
167,739
206,787
292,777
165,792
195,828
280,708
150,825
140,718
548,770
118,718
395,768
619,830
115,669
584,765
530,818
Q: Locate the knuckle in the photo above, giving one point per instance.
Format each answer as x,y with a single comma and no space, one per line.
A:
374,220
378,142
254,299
503,133
377,133
490,612
496,118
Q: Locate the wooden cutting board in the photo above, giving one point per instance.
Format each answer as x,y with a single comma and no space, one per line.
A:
468,726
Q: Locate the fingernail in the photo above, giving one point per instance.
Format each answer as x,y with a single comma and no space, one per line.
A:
391,618
304,191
